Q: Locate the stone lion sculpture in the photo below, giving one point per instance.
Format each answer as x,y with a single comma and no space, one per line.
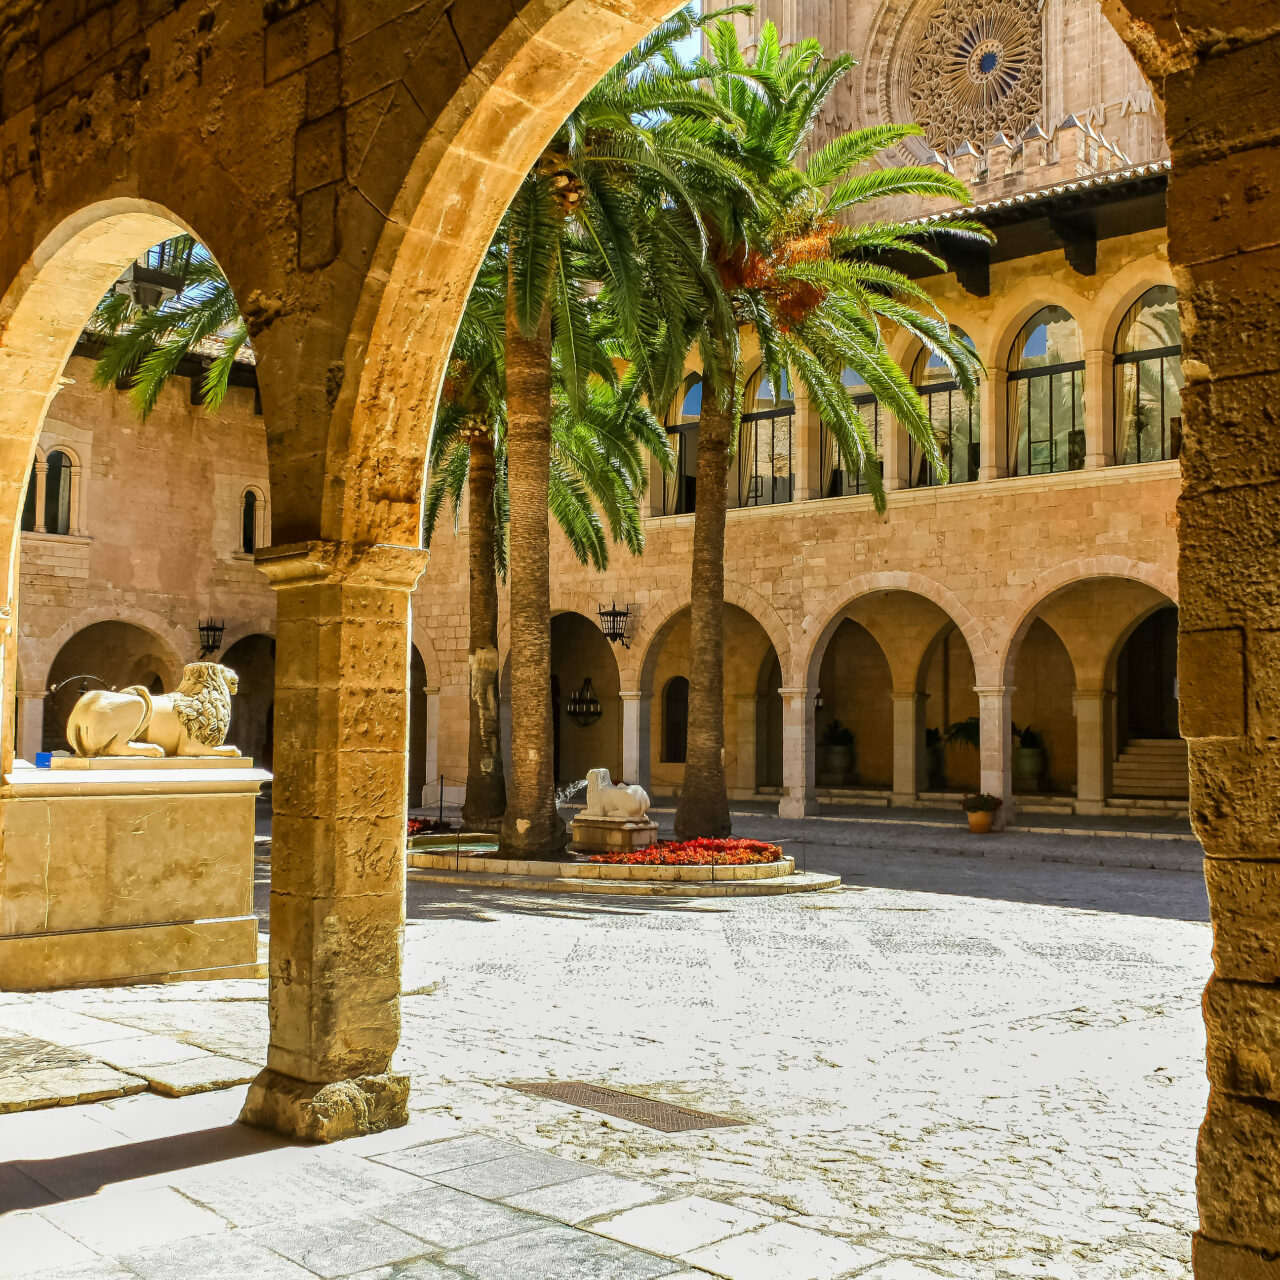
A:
604,800
134,722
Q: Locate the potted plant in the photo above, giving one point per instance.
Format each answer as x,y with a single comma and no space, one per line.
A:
1028,758
835,756
981,808
935,756
965,733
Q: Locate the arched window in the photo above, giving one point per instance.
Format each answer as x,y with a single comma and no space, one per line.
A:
1046,395
249,522
956,423
57,493
29,502
675,720
766,465
682,434
1149,379
841,475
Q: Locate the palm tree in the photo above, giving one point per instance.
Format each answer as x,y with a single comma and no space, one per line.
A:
597,469
791,265
580,241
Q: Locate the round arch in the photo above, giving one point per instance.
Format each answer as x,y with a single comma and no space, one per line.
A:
822,623
647,644
40,655
1065,575
442,217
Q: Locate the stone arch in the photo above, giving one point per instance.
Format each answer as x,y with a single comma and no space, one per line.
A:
1116,297
822,623
173,640
442,215
1020,303
1049,584
648,641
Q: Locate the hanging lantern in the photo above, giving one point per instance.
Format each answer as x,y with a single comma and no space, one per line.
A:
614,623
211,633
584,707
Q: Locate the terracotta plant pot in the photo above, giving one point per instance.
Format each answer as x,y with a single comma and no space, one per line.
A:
980,821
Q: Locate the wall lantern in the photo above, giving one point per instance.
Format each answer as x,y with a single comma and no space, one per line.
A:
614,623
817,701
584,707
211,637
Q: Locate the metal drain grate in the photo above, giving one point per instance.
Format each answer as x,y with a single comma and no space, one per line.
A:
627,1106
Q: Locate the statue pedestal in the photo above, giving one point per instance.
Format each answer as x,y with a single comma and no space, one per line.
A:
612,835
116,870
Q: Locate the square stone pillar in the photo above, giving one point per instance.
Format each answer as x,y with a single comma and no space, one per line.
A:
431,752
1099,409
798,792
805,446
993,405
745,735
1094,748
995,750
910,763
636,707
338,839
30,723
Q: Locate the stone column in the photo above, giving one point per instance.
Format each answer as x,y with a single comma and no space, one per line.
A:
806,447
431,753
798,792
75,525
910,764
42,483
995,752
338,855
993,404
635,736
30,723
1099,401
894,453
1094,748
745,734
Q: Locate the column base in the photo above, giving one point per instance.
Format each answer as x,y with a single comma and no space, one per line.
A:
326,1112
797,807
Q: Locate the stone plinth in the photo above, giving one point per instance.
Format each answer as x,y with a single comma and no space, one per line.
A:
120,870
612,835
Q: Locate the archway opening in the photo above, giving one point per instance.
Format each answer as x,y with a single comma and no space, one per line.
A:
853,723
104,655
587,709
417,764
253,659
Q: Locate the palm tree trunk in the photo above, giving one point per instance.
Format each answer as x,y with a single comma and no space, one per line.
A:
486,797
532,827
703,807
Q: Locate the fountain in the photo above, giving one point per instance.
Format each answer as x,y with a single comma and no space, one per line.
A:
615,819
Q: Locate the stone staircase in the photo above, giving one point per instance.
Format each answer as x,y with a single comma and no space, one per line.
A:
1155,767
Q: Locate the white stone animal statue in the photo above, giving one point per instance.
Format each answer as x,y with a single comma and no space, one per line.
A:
604,800
134,722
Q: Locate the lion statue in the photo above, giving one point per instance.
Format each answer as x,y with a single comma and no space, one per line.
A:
604,800
134,722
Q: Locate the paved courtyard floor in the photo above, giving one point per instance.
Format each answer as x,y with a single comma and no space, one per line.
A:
953,1066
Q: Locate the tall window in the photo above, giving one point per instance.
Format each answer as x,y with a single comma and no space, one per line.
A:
841,475
675,720
956,423
57,493
678,490
766,468
1149,379
249,523
1046,396
29,503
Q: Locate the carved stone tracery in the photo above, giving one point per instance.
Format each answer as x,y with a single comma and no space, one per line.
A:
975,71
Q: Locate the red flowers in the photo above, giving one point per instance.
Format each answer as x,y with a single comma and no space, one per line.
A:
696,853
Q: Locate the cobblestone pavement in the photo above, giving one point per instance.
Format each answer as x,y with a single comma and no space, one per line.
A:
954,1066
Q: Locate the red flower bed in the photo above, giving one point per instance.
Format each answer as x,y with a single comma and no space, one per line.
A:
696,853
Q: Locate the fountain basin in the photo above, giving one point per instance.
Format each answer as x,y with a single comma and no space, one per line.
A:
469,860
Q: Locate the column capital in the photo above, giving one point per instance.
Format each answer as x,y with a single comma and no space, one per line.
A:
913,696
994,690
632,695
799,691
308,564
